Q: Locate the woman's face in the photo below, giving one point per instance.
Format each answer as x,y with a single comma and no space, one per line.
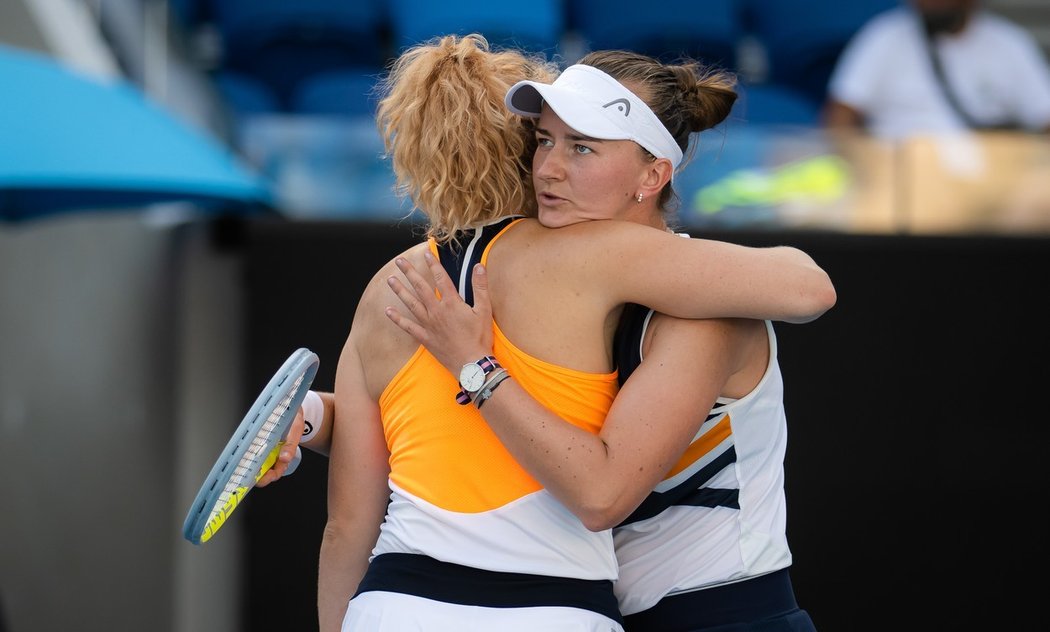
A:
579,178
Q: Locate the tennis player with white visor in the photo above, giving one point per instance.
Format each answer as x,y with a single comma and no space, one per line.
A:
707,548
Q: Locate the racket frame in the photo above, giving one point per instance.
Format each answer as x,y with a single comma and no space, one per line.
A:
206,514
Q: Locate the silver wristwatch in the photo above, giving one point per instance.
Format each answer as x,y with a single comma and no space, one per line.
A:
472,377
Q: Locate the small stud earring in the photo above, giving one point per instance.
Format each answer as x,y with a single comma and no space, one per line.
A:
639,198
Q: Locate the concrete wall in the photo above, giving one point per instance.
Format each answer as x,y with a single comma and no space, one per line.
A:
119,374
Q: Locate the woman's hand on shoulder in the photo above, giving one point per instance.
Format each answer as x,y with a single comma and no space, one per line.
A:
438,317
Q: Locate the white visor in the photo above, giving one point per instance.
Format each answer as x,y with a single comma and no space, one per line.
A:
596,105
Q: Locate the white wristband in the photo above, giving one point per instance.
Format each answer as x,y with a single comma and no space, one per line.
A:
313,413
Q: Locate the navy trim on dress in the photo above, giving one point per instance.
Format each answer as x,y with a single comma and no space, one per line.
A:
426,577
458,257
762,603
691,492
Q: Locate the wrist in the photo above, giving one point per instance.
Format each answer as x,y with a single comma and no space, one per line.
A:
473,376
313,416
498,377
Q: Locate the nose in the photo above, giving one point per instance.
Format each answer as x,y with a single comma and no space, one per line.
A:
547,165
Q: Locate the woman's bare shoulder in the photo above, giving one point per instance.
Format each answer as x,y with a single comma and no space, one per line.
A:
414,255
377,293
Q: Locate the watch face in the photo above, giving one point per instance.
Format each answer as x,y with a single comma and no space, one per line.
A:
471,377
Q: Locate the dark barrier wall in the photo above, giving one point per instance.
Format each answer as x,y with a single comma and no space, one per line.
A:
917,461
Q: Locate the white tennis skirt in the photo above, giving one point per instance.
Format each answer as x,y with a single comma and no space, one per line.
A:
378,611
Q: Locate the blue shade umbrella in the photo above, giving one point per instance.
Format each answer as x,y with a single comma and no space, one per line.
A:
68,141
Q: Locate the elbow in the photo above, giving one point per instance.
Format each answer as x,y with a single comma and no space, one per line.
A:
830,297
599,516
817,300
598,521
824,298
812,292
601,522
334,530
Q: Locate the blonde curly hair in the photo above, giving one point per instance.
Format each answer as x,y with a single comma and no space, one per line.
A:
458,153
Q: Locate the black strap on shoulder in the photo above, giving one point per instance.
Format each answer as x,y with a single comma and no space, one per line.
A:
459,256
627,342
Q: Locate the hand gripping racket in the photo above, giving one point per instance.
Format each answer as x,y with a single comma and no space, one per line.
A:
253,448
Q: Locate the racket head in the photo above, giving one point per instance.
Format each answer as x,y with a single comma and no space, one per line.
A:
252,448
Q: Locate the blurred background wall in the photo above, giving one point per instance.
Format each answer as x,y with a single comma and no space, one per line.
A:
133,335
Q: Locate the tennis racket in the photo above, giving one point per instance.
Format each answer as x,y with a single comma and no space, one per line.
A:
253,448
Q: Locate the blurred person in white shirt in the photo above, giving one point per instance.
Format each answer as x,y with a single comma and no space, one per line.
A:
934,67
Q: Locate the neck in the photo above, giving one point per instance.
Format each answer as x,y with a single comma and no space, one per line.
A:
656,220
646,214
947,22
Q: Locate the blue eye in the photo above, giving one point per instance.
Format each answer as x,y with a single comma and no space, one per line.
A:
582,149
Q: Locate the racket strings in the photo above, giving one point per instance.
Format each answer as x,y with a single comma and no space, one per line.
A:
247,468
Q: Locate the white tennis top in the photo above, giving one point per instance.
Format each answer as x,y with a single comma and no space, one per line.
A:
720,516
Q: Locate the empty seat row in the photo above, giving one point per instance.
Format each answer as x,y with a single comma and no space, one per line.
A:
280,45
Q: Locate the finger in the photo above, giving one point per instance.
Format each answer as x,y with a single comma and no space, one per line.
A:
285,465
409,299
267,478
442,281
271,474
293,465
482,304
407,325
423,290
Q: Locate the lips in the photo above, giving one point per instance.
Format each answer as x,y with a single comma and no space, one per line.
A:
550,198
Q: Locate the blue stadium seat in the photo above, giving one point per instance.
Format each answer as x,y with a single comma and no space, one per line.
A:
189,13
804,38
343,93
282,41
772,104
707,30
246,95
535,25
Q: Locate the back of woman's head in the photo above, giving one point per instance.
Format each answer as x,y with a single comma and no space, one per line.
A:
687,96
457,151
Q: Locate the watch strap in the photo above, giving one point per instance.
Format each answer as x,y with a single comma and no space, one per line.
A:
488,364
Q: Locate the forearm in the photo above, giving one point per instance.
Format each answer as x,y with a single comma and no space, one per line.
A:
574,465
342,565
779,283
702,278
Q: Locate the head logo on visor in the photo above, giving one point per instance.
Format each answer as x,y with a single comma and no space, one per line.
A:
596,105
625,106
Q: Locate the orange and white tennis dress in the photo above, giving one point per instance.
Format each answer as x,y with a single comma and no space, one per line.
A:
471,540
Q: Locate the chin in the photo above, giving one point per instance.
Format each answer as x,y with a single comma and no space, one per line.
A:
549,218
